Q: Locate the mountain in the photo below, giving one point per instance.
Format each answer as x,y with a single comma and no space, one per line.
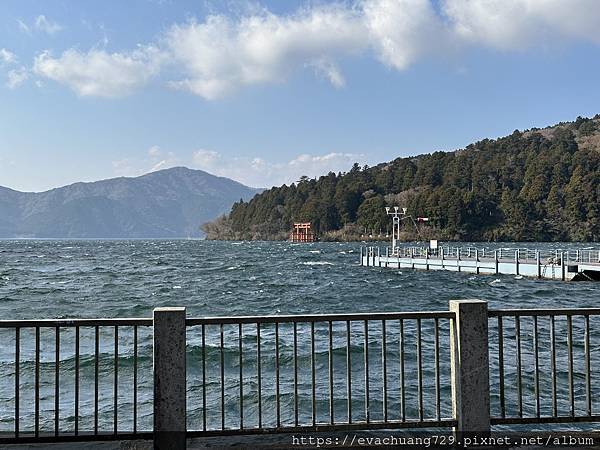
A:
539,184
169,203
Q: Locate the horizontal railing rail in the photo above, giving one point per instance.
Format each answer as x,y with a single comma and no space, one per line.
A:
319,372
74,378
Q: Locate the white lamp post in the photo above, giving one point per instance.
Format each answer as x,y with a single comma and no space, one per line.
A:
395,224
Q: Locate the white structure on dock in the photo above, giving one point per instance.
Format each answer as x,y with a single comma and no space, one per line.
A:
550,264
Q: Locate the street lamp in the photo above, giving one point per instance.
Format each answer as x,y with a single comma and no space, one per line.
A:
398,216
395,224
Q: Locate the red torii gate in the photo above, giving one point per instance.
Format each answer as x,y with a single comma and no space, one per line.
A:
302,233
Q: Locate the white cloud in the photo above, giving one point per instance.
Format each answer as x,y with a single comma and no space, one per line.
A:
46,25
224,53
7,57
155,159
329,70
154,151
23,27
220,54
519,24
261,173
99,73
16,77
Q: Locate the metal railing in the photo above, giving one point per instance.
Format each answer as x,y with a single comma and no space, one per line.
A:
316,372
73,379
589,256
543,362
93,379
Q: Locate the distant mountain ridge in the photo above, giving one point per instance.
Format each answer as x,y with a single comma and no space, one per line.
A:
169,203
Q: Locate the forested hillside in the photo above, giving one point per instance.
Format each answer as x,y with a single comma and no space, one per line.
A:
541,184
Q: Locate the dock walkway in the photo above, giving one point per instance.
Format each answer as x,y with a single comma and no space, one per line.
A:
565,265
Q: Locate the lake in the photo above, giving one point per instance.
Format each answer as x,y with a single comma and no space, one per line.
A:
105,278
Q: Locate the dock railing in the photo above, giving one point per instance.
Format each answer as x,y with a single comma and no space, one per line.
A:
590,256
171,377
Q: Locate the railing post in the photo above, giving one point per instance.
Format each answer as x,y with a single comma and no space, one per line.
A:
516,262
496,261
538,264
169,379
470,366
477,261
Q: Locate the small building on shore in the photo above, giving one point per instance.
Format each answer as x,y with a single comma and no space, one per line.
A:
302,232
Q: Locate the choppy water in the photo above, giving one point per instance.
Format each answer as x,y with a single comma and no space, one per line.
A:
61,279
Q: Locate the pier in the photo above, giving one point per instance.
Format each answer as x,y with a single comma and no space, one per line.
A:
565,265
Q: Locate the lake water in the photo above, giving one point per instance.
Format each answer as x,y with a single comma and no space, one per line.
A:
91,279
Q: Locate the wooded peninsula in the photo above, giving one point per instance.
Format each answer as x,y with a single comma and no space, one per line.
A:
534,185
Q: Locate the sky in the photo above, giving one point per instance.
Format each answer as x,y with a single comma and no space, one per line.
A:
267,91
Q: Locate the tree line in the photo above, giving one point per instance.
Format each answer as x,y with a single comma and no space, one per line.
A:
537,185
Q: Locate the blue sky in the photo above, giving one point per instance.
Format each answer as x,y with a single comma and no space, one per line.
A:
264,92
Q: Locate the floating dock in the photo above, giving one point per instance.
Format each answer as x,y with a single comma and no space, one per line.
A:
565,265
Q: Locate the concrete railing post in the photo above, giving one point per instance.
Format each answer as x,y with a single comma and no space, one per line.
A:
169,379
470,366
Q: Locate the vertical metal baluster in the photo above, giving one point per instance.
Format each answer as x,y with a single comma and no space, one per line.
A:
570,350
501,366
241,376
588,367
76,380
135,377
96,370
438,412
37,382
536,364
553,365
116,382
259,375
277,393
420,369
402,378
56,380
366,355
519,387
296,373
203,377
384,368
17,382
330,357
222,361
313,368
348,371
